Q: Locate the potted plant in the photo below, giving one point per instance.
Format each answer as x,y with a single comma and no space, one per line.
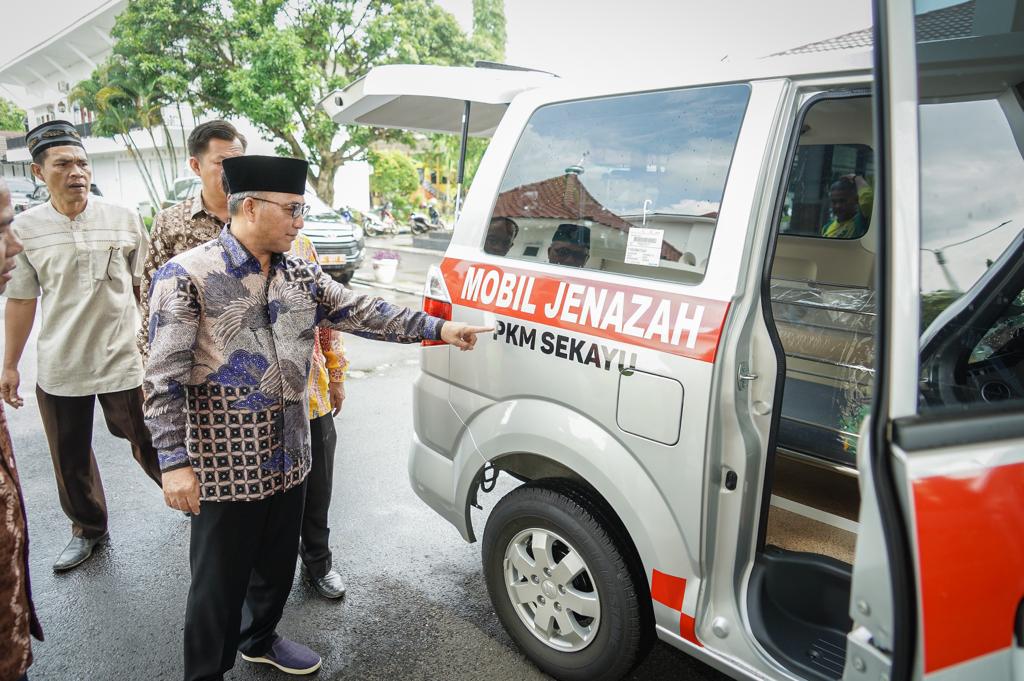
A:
385,265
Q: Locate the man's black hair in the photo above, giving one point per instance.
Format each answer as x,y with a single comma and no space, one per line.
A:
844,184
199,139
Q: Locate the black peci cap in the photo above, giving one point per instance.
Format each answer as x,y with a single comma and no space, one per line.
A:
265,174
52,134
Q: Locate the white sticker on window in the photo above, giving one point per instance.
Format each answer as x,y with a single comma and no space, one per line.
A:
644,246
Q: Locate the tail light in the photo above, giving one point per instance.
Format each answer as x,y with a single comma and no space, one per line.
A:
436,301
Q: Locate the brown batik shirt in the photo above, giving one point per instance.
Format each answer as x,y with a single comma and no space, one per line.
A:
17,614
177,229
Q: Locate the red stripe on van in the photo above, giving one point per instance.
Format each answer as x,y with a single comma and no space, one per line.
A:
663,324
688,629
668,590
970,538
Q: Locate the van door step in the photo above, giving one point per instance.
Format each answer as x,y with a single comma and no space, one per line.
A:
799,610
829,655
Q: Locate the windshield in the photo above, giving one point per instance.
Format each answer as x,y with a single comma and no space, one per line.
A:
320,211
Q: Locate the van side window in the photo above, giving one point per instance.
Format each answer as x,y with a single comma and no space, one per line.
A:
630,184
830,191
972,252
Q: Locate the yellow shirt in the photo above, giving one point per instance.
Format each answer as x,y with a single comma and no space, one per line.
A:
329,362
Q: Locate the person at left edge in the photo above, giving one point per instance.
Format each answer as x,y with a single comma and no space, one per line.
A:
231,332
18,623
83,256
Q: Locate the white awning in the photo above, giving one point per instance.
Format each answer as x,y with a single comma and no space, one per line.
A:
431,98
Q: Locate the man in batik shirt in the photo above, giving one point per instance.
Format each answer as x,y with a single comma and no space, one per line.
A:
231,334
197,219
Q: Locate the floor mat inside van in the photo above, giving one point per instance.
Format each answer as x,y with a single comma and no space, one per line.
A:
795,532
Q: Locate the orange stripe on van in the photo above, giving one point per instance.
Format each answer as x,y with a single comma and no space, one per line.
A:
687,326
970,537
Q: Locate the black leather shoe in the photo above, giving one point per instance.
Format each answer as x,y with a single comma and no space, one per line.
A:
329,586
78,550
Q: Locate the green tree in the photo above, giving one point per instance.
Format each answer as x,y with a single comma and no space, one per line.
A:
489,29
274,61
394,178
442,152
11,117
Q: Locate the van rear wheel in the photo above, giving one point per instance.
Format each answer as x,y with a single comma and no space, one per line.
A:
562,586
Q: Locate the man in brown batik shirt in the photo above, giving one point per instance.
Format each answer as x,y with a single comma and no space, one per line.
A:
200,217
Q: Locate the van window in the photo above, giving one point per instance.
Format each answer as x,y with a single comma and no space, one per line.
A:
630,184
830,191
972,250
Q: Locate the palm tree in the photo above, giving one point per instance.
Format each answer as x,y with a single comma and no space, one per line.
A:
125,100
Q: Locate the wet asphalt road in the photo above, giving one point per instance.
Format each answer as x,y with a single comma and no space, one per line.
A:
416,608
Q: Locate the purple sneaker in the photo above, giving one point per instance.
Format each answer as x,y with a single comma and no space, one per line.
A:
288,656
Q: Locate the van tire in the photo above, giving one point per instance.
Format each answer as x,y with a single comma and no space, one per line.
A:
625,630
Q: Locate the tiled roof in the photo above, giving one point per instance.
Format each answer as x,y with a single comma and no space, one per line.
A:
955,21
564,198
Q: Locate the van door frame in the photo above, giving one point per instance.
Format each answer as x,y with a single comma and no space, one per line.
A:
766,284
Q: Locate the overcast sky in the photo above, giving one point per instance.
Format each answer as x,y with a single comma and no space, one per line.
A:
571,37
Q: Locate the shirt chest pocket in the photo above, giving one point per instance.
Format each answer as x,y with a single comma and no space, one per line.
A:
108,264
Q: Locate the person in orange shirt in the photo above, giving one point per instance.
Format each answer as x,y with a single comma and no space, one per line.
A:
326,394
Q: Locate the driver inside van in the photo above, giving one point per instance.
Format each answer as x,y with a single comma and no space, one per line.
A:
570,245
851,197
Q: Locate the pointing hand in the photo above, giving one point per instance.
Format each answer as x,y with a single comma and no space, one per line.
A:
462,336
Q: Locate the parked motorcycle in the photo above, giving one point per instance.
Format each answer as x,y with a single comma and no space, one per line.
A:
379,223
374,226
421,224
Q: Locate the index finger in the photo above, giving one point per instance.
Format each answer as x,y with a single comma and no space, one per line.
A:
478,329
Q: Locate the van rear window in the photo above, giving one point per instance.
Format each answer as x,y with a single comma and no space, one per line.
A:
630,184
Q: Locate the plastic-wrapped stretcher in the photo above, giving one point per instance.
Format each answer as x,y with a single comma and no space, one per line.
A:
827,334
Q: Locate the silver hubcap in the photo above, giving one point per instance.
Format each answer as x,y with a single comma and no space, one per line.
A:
552,590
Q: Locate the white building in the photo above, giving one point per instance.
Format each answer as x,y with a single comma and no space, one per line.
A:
38,74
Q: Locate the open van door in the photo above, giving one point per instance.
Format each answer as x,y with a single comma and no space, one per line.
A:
422,98
938,581
428,98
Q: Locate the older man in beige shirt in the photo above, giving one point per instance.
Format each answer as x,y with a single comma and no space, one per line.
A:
83,256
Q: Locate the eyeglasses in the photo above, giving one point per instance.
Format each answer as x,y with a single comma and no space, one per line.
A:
297,209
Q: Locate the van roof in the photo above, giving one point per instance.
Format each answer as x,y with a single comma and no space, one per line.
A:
430,98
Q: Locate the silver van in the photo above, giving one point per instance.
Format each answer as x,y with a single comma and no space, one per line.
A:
758,358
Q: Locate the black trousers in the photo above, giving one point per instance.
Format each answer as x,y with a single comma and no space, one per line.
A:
67,422
242,555
315,546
